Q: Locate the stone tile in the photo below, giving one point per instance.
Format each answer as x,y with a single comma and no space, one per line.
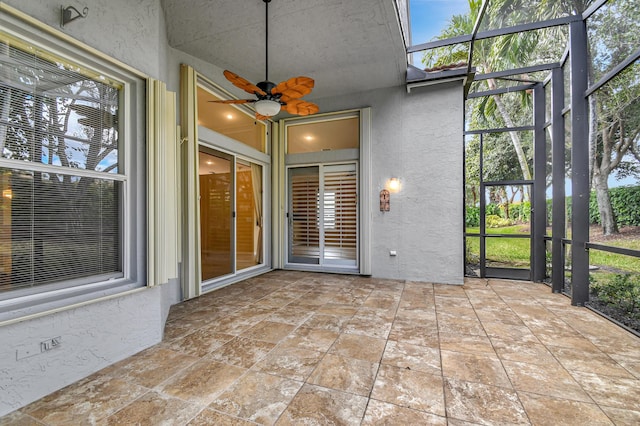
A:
269,331
589,361
479,368
315,405
359,347
412,357
209,417
566,340
293,363
503,331
18,418
199,343
385,302
621,416
327,322
369,325
382,413
551,380
258,397
150,367
153,409
531,353
496,313
483,404
202,382
338,309
291,315
344,374
453,325
91,399
614,392
310,338
409,388
242,352
414,333
465,343
545,411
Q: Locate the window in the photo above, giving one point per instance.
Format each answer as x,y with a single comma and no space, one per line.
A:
67,124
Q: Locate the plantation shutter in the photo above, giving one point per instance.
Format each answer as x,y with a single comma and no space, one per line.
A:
340,213
304,214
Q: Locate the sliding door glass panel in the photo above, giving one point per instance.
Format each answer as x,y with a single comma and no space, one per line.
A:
340,213
248,215
304,212
216,210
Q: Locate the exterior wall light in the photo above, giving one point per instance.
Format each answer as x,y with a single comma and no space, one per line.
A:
394,184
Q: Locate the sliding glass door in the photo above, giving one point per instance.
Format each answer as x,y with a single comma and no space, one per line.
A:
231,219
323,215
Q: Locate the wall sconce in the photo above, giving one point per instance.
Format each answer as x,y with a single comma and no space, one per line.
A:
394,184
7,193
70,14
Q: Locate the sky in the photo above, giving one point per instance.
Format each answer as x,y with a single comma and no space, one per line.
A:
429,17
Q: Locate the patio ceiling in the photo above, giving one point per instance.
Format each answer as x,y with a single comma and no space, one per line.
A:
346,46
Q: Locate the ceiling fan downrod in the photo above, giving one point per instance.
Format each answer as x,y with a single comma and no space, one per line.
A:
266,40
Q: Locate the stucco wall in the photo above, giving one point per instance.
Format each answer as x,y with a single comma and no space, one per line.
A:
98,334
416,137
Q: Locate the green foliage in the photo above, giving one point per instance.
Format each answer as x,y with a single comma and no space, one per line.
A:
621,291
495,221
472,216
520,212
625,201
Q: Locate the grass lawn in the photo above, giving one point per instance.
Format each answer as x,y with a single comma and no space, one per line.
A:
514,252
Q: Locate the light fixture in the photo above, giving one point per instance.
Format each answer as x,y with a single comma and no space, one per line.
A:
267,107
394,184
308,138
7,193
230,116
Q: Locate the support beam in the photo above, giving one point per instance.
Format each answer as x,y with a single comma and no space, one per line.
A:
539,204
579,164
557,170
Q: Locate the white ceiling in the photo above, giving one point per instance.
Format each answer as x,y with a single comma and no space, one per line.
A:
346,46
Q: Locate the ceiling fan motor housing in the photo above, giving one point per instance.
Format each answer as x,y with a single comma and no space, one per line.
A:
267,87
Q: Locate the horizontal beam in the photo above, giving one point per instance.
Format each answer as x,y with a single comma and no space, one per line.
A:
499,130
617,250
501,91
516,71
615,71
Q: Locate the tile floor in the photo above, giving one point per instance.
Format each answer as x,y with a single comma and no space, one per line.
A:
312,349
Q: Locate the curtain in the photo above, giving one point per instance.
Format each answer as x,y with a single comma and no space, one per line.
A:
256,180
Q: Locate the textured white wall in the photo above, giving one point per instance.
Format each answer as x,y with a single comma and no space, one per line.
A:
99,334
131,31
416,137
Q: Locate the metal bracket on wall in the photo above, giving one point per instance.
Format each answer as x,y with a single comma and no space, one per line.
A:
70,14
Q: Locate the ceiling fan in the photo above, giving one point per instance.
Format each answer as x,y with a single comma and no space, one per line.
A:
272,98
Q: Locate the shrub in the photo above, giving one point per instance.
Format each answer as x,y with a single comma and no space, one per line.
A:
472,218
495,221
621,291
625,202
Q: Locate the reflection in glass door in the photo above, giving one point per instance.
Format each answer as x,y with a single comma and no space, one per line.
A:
216,213
231,214
323,215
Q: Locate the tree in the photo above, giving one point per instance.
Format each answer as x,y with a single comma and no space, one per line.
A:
614,108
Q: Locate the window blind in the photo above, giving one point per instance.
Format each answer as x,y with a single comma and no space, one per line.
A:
61,179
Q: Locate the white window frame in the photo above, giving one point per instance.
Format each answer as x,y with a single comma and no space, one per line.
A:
20,304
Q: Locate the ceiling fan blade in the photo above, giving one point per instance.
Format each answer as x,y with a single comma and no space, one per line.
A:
262,117
234,101
299,107
243,83
295,87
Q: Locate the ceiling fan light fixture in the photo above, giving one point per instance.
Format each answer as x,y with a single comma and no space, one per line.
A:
267,107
